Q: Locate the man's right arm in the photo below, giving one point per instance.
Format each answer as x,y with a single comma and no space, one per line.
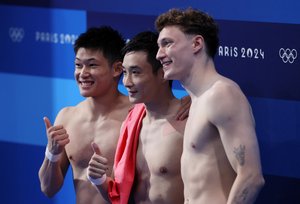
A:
55,164
51,175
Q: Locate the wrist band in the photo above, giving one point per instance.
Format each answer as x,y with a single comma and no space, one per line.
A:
98,181
52,157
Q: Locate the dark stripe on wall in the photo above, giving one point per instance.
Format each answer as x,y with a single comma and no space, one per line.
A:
19,172
255,10
279,190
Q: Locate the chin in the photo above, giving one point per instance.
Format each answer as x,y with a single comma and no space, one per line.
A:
85,94
170,76
134,100
167,77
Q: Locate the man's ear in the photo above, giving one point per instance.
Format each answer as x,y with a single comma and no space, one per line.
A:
198,43
117,68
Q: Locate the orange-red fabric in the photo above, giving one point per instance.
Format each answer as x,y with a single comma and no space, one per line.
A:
124,166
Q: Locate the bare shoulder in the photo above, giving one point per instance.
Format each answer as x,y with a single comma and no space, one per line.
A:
223,91
224,99
68,113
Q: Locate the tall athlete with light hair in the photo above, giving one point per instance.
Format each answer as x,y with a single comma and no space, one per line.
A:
220,161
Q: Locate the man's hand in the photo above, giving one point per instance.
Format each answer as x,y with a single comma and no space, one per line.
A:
57,136
98,164
184,109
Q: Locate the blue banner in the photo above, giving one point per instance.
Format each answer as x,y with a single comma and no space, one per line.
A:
263,58
256,10
39,41
260,57
128,24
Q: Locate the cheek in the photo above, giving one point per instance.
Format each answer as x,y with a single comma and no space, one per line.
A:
140,85
102,74
76,74
149,89
178,50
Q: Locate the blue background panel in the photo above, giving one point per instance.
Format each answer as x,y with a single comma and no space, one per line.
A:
255,10
27,100
278,130
20,183
253,58
129,24
41,47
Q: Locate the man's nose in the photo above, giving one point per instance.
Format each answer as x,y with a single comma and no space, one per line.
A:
85,70
127,81
159,54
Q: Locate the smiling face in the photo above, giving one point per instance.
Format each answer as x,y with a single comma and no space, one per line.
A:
138,78
175,53
93,73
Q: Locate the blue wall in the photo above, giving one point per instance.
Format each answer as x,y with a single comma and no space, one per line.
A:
259,49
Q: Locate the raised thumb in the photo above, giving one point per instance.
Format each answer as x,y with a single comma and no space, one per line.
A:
96,148
47,122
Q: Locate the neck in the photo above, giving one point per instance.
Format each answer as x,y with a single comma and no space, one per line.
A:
105,104
161,107
200,76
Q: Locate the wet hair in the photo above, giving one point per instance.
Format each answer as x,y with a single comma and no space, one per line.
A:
104,39
146,41
192,22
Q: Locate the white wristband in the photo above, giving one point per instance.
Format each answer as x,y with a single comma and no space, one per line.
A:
52,157
98,181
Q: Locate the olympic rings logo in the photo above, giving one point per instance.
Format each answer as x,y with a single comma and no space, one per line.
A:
16,34
288,55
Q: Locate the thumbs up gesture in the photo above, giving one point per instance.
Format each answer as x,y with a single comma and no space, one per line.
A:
57,137
98,164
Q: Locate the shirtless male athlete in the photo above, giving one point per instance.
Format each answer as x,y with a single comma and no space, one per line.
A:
157,178
98,66
221,160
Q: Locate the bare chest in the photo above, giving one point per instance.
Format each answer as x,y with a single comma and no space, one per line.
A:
160,149
200,134
104,133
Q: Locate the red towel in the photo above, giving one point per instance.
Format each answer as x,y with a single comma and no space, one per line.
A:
125,158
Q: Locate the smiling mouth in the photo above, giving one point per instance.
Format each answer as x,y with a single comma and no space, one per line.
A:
132,93
86,84
166,63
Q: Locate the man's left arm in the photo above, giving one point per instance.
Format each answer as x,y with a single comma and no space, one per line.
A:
236,126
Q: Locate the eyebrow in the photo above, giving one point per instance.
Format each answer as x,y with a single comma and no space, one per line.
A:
159,41
131,67
86,60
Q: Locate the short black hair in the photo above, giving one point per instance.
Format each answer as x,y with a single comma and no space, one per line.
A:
105,39
145,41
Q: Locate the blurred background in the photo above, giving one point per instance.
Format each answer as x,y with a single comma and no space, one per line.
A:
259,49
